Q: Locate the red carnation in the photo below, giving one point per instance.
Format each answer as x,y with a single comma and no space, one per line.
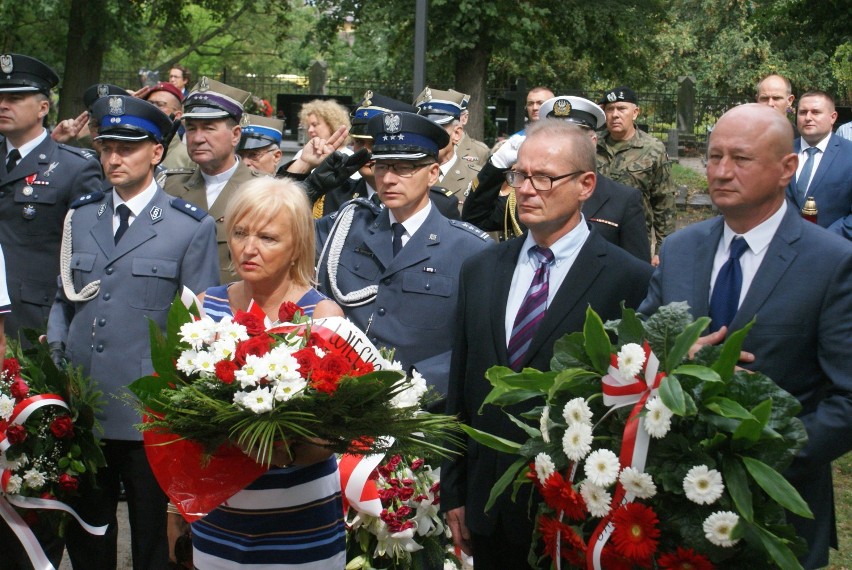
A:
307,359
288,310
62,427
684,559
258,346
225,371
67,483
19,389
406,493
417,464
560,495
636,533
11,367
254,324
16,434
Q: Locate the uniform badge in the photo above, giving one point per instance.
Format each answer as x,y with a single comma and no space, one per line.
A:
611,97
6,63
368,98
50,169
116,106
392,122
27,191
156,213
103,90
427,95
561,108
204,84
42,156
244,120
101,210
432,237
29,212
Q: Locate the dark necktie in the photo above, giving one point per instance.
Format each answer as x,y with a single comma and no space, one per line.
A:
532,309
123,220
376,200
12,159
398,230
805,176
726,291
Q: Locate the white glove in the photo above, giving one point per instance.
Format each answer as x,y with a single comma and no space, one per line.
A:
507,154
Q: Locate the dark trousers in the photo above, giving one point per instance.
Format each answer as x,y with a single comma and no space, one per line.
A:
146,504
504,548
12,554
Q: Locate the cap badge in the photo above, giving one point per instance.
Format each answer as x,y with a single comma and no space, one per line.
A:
116,106
244,121
561,108
611,97
103,90
368,96
392,123
204,84
427,94
6,64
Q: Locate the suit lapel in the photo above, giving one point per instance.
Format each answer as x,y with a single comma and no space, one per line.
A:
501,282
241,174
380,239
142,228
703,255
102,231
194,190
417,248
30,164
831,152
792,193
593,204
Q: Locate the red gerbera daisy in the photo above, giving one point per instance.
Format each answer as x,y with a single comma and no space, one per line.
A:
573,548
560,495
636,533
684,559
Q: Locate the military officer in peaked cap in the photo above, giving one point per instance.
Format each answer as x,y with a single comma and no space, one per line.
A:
39,178
133,247
260,143
82,129
614,210
212,116
395,270
469,149
445,108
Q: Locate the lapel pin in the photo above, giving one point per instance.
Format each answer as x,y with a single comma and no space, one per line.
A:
156,213
101,210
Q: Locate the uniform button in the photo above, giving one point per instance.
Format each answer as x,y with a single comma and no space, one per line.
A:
382,312
107,296
154,269
99,348
45,298
78,263
386,281
101,322
2,194
428,286
374,340
109,270
357,266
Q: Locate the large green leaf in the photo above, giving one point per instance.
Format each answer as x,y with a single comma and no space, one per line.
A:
596,341
663,327
494,442
528,429
508,397
763,411
570,381
671,393
504,481
684,342
703,373
630,327
568,352
775,547
736,482
730,354
728,408
777,487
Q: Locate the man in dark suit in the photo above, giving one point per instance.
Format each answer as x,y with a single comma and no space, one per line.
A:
614,209
39,178
395,270
132,249
825,165
795,283
554,176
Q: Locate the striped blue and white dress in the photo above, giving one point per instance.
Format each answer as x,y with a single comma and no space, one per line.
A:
288,518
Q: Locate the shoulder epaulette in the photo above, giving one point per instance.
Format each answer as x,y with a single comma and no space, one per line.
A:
190,210
441,190
366,203
470,228
175,171
89,198
86,153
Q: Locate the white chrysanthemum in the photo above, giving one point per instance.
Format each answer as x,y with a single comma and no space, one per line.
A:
224,349
631,357
450,565
254,370
34,479
577,411
703,485
544,467
186,361
544,424
597,499
205,361
411,395
13,485
227,329
395,365
283,390
658,420
282,365
258,400
198,333
602,467
577,441
719,526
7,406
639,483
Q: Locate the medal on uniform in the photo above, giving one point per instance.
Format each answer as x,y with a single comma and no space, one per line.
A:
28,189
29,212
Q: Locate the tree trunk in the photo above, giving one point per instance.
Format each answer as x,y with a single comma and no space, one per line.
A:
471,77
84,55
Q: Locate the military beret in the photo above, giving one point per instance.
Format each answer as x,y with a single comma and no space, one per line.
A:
126,118
405,136
574,110
440,106
98,90
162,86
211,99
625,94
372,105
259,132
25,74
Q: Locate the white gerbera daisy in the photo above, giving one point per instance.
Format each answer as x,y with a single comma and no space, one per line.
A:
258,400
577,441
703,485
544,424
544,467
719,526
597,499
631,357
34,479
602,467
639,483
658,420
577,411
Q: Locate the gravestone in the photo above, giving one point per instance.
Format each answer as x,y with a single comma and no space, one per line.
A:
318,77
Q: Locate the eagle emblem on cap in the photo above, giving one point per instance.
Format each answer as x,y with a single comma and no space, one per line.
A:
368,96
103,90
562,108
116,106
392,122
611,97
244,120
6,63
204,84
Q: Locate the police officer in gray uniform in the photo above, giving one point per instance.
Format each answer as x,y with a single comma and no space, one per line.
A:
133,248
38,180
395,270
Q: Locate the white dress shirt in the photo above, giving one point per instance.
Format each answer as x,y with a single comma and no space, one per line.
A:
136,204
216,183
803,156
413,223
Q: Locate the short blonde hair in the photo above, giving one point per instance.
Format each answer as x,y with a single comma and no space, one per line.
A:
266,199
333,113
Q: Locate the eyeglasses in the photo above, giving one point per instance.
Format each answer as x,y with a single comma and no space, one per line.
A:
257,154
540,182
401,169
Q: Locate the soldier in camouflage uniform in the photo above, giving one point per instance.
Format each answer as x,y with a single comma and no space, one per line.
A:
632,157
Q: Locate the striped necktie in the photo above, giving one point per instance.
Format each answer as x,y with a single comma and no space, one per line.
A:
532,309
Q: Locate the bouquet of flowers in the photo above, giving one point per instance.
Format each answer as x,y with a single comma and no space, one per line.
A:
47,447
642,458
398,526
245,380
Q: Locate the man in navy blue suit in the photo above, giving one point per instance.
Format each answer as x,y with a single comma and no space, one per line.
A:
794,282
825,164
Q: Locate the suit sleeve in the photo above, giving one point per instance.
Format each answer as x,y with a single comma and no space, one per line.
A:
843,226
654,298
633,236
483,207
200,265
59,319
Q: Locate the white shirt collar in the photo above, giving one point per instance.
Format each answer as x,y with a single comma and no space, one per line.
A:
757,238
565,248
28,146
138,202
413,223
821,145
222,177
445,168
